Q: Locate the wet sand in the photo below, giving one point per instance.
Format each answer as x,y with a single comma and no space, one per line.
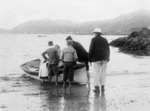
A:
18,92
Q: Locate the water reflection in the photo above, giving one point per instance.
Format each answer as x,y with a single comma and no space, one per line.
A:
51,99
76,100
99,102
58,98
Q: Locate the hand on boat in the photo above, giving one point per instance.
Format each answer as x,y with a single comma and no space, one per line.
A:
45,60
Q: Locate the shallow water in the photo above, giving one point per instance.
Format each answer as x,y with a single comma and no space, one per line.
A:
123,93
17,49
127,86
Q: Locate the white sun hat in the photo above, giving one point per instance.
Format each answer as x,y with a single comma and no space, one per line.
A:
97,30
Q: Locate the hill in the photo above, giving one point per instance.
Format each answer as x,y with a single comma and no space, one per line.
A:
3,30
123,24
45,26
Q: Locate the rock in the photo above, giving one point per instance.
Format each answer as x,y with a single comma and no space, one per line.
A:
137,43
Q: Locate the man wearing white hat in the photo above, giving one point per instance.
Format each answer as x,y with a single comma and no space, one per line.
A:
99,53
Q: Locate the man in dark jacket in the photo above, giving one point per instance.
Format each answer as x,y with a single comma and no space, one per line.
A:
99,53
81,52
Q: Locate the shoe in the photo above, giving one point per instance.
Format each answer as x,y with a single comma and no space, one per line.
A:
102,88
96,90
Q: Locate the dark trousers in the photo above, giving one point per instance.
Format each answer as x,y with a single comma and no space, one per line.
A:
85,61
68,71
52,69
87,66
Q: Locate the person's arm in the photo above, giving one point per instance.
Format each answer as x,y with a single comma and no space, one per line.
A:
91,49
108,51
75,56
57,55
62,56
44,55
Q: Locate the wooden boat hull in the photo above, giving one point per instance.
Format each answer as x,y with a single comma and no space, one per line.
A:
32,69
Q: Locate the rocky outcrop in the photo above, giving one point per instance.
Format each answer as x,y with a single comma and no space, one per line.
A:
138,43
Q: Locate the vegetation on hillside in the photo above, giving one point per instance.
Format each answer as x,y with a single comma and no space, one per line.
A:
138,42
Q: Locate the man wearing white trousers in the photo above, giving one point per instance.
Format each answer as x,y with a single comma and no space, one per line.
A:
99,54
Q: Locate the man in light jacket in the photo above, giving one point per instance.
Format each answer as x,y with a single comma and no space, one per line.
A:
69,57
99,53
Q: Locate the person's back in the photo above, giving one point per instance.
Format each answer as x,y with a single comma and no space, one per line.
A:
81,52
69,54
100,51
53,56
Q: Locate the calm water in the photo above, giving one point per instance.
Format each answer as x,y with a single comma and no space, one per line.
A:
17,49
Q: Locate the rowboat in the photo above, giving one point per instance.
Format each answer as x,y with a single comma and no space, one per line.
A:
32,69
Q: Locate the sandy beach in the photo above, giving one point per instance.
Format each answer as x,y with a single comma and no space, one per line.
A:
123,93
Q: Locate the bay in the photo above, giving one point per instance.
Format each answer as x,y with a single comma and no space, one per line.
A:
15,49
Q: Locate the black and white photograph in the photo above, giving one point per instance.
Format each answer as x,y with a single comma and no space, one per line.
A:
74,55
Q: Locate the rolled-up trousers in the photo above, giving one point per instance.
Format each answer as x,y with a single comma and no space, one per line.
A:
99,69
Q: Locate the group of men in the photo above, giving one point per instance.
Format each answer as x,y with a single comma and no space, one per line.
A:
99,54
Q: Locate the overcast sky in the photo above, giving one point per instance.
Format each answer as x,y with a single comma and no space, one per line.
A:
14,12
